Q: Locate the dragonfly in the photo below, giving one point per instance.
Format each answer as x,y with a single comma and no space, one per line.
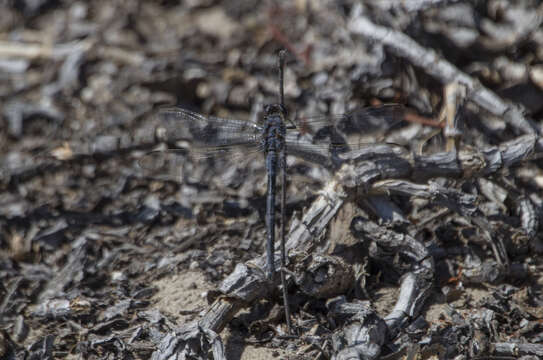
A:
316,139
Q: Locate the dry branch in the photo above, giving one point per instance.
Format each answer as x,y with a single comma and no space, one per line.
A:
429,61
248,282
516,349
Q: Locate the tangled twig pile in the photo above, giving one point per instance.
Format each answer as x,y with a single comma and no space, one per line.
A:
422,245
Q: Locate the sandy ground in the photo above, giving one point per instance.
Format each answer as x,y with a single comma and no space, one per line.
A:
181,297
181,293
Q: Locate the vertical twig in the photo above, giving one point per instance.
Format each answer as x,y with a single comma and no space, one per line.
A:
283,166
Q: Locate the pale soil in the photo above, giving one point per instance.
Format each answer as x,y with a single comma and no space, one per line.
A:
185,292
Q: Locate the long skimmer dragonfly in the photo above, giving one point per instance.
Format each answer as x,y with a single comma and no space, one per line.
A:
316,139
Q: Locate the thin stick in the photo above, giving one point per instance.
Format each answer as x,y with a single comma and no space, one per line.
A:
283,165
283,251
282,54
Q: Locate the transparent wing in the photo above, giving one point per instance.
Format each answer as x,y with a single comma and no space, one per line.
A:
323,153
314,139
201,137
172,164
209,136
225,152
360,120
164,164
317,137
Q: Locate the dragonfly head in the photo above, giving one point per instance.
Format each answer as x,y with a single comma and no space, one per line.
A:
275,109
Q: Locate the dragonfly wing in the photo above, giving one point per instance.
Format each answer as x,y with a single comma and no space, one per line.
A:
230,152
360,120
320,138
208,134
303,146
326,154
171,164
372,119
161,164
202,137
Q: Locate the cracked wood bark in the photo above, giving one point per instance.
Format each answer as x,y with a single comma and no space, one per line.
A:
466,163
362,337
404,46
190,342
411,5
524,208
516,349
416,284
391,161
455,200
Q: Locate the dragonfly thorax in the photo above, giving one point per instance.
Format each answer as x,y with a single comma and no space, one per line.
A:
274,127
